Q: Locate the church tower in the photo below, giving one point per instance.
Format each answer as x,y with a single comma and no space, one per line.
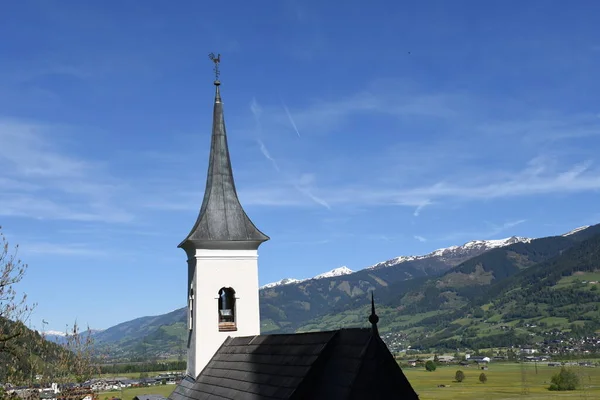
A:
222,256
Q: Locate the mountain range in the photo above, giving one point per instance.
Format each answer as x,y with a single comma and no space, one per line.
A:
416,295
329,274
509,295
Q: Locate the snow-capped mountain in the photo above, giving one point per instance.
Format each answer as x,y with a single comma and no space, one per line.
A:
61,337
284,281
455,251
335,272
576,230
467,250
53,333
329,274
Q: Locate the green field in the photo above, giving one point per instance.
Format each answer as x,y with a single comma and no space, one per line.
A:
579,277
504,382
130,393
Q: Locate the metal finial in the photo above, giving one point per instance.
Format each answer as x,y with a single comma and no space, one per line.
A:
216,60
373,318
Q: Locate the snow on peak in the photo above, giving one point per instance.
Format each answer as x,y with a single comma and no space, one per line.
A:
492,244
455,250
330,274
477,246
284,281
576,230
335,272
54,333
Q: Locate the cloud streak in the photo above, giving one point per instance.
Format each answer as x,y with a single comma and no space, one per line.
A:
536,178
420,207
289,115
304,183
492,232
381,98
497,229
256,110
62,249
40,176
42,181
267,155
530,181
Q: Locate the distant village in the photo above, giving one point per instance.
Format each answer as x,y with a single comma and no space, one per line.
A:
86,390
557,344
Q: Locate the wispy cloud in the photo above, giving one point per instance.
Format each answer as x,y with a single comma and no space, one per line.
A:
265,152
477,158
420,238
532,180
535,178
305,186
420,207
287,111
492,231
304,242
382,98
497,229
543,128
43,181
61,249
304,183
256,110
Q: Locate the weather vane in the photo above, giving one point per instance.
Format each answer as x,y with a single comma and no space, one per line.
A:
216,60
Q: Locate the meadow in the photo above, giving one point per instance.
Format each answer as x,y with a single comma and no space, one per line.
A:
505,382
130,393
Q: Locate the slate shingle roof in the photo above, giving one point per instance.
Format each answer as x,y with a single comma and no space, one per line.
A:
222,220
149,397
343,364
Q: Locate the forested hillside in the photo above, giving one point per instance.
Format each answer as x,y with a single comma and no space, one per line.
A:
489,299
27,353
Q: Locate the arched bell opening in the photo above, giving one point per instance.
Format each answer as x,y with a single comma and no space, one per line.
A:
227,310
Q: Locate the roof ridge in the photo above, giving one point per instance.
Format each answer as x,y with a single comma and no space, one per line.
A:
362,360
307,381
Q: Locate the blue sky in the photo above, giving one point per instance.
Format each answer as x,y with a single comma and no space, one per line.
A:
357,134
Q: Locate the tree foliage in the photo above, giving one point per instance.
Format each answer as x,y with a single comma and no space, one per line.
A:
17,343
25,352
12,306
483,377
77,363
459,376
566,379
430,366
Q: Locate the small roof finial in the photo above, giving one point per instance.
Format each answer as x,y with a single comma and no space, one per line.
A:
373,318
217,60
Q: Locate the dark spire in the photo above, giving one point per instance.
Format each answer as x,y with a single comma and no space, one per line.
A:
222,222
373,318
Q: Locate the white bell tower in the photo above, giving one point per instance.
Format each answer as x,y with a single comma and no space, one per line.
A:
222,253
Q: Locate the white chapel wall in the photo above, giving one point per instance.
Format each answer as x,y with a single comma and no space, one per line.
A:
215,269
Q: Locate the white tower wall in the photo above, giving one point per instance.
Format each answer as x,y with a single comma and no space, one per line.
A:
213,270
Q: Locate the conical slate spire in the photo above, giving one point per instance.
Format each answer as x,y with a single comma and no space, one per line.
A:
373,318
222,222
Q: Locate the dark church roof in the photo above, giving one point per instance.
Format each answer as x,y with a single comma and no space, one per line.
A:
222,222
342,364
